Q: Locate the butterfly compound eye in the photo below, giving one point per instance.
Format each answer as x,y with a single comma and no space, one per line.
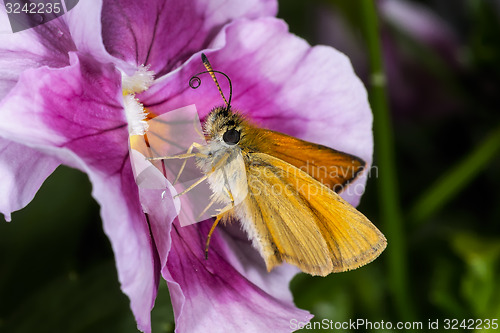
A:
231,137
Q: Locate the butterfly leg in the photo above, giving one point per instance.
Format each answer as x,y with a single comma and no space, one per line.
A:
188,154
189,151
206,209
217,219
198,182
228,190
230,196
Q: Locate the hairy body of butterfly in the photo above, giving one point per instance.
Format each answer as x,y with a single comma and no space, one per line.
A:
283,192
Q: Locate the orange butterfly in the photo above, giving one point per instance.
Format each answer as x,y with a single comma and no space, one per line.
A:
283,190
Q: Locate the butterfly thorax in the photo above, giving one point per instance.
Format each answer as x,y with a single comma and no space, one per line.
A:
222,157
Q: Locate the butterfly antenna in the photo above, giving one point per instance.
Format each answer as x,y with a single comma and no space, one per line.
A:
195,81
207,65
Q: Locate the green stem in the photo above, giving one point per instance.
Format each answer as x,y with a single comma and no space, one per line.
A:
390,212
456,179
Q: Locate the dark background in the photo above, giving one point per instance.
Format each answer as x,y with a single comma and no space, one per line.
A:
57,272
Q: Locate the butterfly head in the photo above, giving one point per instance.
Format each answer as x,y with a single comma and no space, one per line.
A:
224,125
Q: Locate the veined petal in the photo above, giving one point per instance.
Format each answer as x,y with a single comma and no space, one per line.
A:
49,44
262,295
45,45
78,108
127,228
76,114
161,212
23,171
84,25
207,292
282,83
164,34
249,263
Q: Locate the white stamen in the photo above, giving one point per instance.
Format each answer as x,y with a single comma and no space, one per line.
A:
141,80
136,115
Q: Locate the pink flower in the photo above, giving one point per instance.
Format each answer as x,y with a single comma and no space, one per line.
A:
69,90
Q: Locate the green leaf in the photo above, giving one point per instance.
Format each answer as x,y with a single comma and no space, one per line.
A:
479,285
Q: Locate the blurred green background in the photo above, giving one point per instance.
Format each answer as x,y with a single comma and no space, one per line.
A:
437,143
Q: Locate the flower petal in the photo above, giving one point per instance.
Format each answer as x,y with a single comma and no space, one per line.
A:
248,262
127,228
39,46
206,293
49,44
283,84
78,108
23,171
164,34
84,25
266,294
268,291
76,115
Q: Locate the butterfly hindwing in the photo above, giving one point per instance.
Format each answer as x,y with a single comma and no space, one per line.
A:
303,222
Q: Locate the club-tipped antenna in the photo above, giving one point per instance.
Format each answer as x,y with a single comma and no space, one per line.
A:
195,81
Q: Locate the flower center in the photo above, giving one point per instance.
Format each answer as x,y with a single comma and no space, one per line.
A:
135,112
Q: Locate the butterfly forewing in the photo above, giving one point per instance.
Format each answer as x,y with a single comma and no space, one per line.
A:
332,168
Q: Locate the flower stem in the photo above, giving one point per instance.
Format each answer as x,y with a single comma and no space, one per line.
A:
390,212
456,179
